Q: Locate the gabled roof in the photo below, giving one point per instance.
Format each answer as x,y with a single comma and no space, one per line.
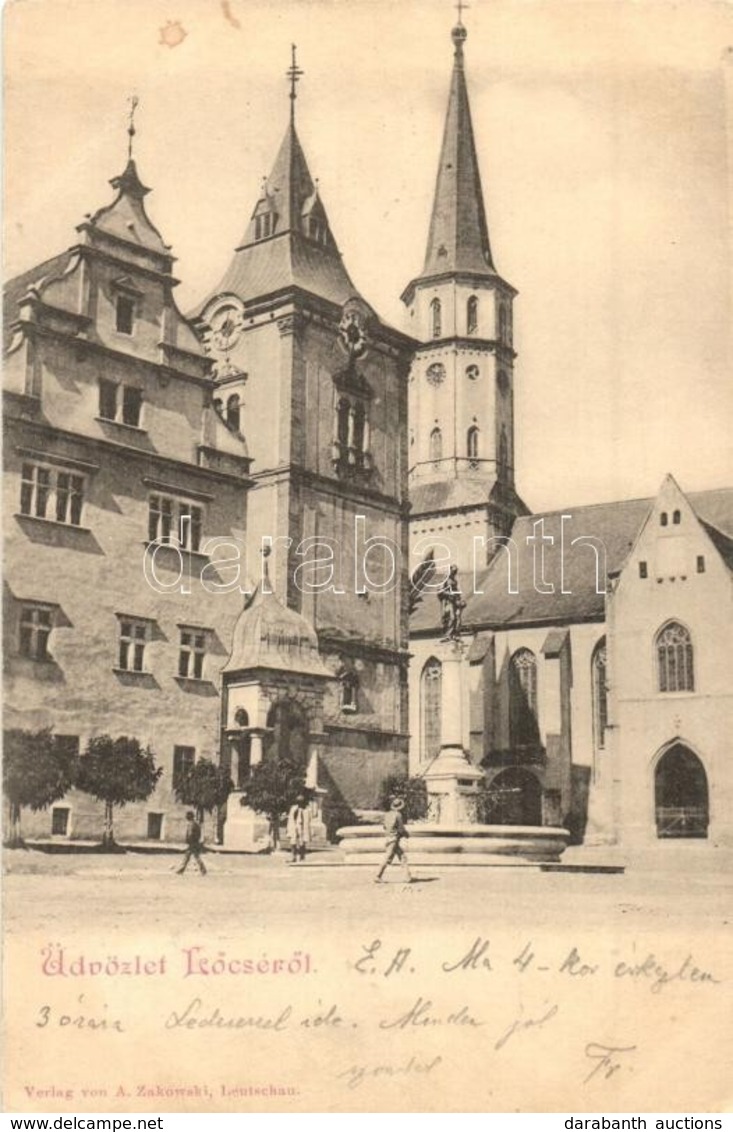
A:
125,218
292,257
616,525
16,288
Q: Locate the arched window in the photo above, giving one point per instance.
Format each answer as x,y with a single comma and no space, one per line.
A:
523,729
503,461
233,411
430,705
663,519
674,659
342,424
436,319
472,315
600,694
349,692
676,518
218,406
472,443
436,444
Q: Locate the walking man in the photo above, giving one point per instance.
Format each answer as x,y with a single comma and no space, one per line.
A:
194,845
394,827
299,828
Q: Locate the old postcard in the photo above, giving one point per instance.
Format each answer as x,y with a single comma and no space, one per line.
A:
368,536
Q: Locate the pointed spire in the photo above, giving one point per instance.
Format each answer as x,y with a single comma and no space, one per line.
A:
128,181
459,235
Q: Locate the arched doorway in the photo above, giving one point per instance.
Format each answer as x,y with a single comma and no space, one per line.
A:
517,798
287,735
681,800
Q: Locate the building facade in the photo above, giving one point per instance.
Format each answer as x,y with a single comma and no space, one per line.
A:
118,473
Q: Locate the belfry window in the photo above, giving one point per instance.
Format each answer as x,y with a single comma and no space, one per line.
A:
472,315
351,439
436,445
436,318
264,225
675,661
234,409
472,443
349,692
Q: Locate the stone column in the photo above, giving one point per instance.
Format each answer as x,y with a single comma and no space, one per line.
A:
452,779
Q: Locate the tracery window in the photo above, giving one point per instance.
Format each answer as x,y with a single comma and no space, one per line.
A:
675,663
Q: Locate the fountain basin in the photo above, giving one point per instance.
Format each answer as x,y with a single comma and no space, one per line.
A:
459,844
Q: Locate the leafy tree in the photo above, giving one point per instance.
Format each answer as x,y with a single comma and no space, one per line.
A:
272,788
37,770
205,786
117,771
412,790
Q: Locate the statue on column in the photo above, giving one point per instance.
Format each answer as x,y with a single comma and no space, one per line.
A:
451,606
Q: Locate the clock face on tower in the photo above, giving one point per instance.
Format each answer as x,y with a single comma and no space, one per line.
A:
226,327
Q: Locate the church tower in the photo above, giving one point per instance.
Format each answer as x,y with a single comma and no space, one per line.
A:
461,410
308,373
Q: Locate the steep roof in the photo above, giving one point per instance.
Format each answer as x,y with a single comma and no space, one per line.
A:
490,602
300,251
458,240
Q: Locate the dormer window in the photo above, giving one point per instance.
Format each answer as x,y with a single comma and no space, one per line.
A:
124,314
317,230
265,225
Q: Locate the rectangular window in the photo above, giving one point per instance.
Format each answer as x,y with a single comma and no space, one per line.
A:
60,821
132,400
171,520
46,493
36,623
133,638
192,653
125,314
701,563
107,399
183,760
643,573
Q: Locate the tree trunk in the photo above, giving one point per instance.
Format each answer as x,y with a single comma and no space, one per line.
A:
108,837
15,836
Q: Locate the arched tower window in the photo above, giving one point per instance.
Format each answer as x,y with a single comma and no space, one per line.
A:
472,443
436,444
523,728
430,707
472,315
600,694
675,666
436,318
503,460
233,411
349,692
342,423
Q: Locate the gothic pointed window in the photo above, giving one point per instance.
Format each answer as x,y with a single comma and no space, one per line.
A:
472,315
472,443
430,705
523,728
600,694
436,445
233,411
675,665
436,319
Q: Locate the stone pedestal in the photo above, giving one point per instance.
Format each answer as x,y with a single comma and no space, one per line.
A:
452,779
245,830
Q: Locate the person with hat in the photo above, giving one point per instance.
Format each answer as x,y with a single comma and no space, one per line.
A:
299,828
396,831
194,844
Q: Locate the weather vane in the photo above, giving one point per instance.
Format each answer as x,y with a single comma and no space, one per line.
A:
134,100
293,73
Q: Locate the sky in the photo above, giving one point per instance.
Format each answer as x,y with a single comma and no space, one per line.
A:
603,134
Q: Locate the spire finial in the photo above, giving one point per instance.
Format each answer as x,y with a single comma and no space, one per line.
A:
133,100
459,33
293,74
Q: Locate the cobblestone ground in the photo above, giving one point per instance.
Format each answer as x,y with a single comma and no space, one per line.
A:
45,891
